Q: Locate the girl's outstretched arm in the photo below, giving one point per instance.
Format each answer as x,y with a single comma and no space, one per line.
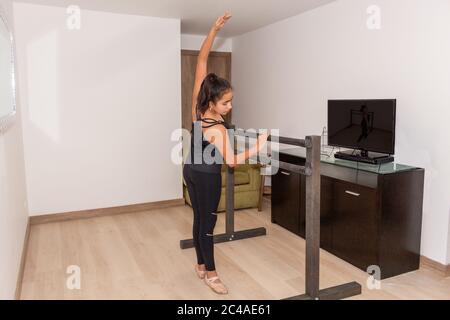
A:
202,61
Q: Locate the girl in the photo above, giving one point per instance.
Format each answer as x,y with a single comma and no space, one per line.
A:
211,100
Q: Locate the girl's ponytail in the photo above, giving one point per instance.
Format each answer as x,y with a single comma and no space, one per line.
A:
212,90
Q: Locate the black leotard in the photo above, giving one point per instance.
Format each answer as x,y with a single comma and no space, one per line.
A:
205,162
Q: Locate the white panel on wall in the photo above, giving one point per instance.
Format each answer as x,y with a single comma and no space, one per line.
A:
13,210
283,75
100,105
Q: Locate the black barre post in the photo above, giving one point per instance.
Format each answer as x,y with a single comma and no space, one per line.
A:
313,218
312,267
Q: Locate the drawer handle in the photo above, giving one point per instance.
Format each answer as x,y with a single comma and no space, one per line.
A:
285,173
353,193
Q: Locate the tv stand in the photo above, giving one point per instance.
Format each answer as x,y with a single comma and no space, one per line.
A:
365,157
371,215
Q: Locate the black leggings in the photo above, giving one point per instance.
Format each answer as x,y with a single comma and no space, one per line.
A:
204,191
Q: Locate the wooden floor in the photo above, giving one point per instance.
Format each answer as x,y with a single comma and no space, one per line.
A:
137,256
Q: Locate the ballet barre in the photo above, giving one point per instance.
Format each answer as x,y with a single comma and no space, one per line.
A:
311,170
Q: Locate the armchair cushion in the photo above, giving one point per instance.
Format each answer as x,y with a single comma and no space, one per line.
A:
247,187
240,178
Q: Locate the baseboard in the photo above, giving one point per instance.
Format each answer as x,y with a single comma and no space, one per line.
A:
22,262
443,269
86,214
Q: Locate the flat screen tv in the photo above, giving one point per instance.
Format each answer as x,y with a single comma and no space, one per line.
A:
366,125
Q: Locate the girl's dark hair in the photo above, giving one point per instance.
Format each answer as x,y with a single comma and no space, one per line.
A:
212,90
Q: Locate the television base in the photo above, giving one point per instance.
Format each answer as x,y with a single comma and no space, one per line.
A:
364,157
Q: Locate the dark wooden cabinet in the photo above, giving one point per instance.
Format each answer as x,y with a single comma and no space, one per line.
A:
287,200
288,205
326,213
355,223
367,218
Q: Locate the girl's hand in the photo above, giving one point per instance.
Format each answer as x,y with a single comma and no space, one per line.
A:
221,21
262,140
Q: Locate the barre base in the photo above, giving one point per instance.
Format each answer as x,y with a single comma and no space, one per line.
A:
220,238
335,293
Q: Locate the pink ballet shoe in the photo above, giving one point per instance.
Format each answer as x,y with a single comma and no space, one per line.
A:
201,274
217,286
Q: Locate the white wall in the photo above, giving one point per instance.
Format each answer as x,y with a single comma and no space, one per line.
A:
13,211
194,42
100,104
284,74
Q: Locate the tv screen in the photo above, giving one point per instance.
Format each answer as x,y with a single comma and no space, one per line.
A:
362,124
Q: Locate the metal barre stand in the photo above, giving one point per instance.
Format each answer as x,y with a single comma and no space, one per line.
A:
312,172
230,233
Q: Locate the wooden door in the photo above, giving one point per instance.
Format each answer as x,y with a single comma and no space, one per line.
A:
218,63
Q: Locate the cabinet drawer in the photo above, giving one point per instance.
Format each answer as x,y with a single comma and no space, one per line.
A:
355,223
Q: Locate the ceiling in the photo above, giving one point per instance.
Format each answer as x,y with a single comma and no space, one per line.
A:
197,16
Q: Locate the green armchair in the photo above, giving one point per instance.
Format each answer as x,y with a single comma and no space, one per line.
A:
247,187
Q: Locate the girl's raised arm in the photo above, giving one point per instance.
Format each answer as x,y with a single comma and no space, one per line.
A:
202,61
